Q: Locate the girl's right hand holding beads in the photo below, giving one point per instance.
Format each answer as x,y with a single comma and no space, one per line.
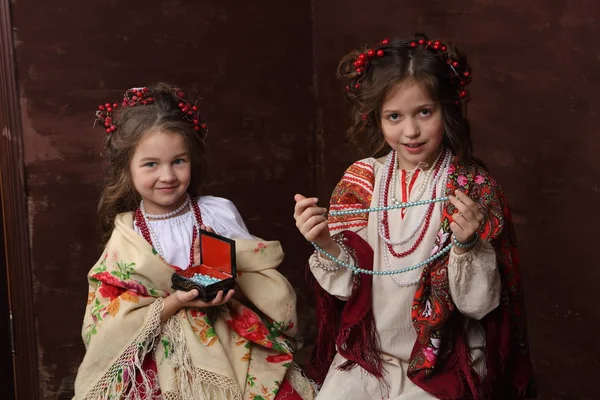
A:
312,223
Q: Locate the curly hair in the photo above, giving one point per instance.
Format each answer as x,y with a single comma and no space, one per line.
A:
164,114
401,60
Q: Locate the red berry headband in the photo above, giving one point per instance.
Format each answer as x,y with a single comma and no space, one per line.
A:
461,73
143,96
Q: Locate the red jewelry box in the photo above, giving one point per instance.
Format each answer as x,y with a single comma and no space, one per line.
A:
217,259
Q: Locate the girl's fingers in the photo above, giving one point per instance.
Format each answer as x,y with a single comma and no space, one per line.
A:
471,207
456,230
217,298
461,207
298,197
230,294
185,297
303,204
455,226
312,222
312,234
309,213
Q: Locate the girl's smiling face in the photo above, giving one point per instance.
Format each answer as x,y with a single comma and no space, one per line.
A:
412,124
161,171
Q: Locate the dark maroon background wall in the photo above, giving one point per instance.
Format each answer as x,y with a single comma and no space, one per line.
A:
250,62
534,114
535,118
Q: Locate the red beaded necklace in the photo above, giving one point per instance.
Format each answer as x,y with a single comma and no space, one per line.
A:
385,221
140,221
406,189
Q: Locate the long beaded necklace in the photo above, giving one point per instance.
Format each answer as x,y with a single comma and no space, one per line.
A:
357,270
384,251
141,220
390,164
407,187
422,225
414,176
386,207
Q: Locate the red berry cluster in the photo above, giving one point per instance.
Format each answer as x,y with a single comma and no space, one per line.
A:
104,116
363,60
191,113
143,96
460,72
131,98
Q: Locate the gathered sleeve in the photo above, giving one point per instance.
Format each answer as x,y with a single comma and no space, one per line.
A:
474,280
223,217
354,191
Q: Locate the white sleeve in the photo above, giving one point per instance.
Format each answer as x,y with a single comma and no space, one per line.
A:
475,280
223,217
334,279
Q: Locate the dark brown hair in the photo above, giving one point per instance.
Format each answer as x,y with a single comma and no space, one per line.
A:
118,193
401,61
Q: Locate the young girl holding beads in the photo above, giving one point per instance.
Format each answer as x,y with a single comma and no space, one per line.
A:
144,340
416,262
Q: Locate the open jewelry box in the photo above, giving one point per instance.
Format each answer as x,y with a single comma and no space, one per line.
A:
217,263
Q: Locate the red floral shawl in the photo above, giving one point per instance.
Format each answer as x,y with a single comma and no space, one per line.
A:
447,373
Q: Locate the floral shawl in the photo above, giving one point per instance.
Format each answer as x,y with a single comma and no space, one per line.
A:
236,351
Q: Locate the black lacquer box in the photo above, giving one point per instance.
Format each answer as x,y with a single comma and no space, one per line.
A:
217,260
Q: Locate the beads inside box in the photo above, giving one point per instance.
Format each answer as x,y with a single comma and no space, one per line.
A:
204,280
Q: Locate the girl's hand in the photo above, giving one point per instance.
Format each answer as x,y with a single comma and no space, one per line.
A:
197,244
181,299
312,223
189,299
466,221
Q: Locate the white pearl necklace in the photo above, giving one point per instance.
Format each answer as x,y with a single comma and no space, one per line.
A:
153,236
419,224
388,266
443,171
167,215
422,187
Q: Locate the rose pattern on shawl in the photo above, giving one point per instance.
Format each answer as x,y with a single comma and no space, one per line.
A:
110,292
249,325
112,277
279,358
260,248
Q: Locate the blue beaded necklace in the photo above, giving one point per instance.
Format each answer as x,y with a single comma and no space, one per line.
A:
357,270
386,208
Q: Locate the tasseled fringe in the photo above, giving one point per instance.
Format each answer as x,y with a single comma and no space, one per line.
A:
464,362
328,311
360,345
357,339
126,378
193,383
140,390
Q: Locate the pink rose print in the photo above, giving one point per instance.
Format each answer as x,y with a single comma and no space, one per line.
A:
429,354
279,358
